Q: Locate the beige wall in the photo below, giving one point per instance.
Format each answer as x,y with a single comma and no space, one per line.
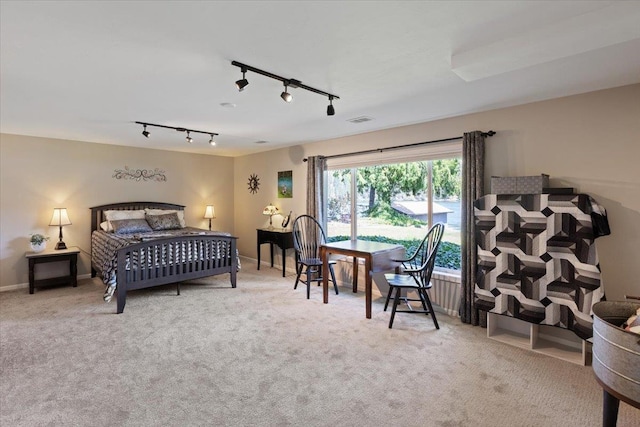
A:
590,142
38,174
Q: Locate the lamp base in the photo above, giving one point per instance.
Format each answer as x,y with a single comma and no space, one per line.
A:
61,245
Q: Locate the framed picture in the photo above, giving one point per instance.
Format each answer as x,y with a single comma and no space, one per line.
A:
285,185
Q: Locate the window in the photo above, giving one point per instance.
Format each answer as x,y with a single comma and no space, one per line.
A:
397,203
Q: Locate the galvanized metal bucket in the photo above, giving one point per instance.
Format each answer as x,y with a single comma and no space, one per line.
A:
616,352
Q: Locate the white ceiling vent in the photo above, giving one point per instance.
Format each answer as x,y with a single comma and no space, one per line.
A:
360,119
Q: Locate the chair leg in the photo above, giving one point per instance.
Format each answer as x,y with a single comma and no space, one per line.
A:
396,300
308,282
423,301
299,268
333,278
433,313
386,303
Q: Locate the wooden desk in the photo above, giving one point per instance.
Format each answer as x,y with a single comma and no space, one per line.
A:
377,257
52,255
276,236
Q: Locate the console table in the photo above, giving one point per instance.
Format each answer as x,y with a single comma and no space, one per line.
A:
70,255
276,236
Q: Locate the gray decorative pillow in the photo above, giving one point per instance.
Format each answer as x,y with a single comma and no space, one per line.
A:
168,221
127,226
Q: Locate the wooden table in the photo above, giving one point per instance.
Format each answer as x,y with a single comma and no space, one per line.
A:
275,236
52,255
377,257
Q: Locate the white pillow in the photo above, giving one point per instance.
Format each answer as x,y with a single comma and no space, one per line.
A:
167,211
111,215
118,215
106,226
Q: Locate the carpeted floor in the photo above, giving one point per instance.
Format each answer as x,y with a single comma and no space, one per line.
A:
263,355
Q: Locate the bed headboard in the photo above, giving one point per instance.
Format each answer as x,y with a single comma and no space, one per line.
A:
97,212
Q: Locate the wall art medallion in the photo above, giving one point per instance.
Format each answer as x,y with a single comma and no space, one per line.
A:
140,174
254,183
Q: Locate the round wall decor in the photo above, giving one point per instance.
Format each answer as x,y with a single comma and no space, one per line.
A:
254,183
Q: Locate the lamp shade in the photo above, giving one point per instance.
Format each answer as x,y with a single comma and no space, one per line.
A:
60,217
270,210
209,212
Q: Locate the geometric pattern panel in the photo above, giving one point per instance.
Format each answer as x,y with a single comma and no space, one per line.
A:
537,260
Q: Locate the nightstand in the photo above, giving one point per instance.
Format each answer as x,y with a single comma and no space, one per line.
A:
52,255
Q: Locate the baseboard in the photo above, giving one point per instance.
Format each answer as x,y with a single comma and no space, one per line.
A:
276,265
18,286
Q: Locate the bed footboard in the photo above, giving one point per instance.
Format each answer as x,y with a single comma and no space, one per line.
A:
172,260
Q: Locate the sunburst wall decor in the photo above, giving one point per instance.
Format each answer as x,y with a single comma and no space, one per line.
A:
254,183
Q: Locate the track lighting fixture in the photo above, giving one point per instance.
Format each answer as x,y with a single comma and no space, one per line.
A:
330,110
288,83
286,96
188,131
243,82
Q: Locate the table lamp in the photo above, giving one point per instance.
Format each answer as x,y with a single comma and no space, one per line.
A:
210,214
60,218
271,211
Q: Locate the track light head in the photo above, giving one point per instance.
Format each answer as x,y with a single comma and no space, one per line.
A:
145,132
243,82
330,110
286,96
189,139
212,142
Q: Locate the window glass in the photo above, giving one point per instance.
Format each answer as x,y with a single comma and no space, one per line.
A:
398,203
339,205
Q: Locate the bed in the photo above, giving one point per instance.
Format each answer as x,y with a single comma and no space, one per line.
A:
153,258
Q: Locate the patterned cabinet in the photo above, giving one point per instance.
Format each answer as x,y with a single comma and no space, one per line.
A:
537,261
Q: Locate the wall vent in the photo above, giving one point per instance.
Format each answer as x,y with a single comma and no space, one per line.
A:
360,119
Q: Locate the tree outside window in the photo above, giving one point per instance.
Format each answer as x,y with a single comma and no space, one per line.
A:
392,204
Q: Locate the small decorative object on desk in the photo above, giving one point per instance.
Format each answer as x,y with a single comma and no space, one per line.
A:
285,221
38,242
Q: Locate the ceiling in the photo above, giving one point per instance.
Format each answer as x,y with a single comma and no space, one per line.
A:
87,70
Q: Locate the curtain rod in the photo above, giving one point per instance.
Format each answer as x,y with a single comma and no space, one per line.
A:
415,144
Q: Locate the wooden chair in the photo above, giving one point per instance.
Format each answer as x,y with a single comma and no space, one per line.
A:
308,236
416,276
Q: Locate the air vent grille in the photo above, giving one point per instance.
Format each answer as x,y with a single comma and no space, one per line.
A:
360,119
